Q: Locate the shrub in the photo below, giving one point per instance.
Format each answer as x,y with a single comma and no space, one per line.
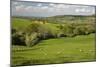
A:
13,30
68,30
34,27
31,39
18,39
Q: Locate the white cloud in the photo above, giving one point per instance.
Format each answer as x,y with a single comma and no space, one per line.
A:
88,11
78,6
51,10
19,7
48,9
15,3
39,5
85,11
77,10
29,8
62,6
81,10
51,4
57,7
44,7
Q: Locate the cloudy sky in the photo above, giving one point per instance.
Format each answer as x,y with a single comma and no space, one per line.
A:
39,9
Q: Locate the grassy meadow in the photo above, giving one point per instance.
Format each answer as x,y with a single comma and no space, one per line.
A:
62,50
49,43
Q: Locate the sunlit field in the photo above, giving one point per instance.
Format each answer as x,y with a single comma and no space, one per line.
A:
62,50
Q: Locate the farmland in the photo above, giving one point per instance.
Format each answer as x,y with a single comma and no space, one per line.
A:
62,50
48,40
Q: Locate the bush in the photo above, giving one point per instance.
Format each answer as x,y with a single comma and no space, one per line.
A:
18,39
34,27
13,30
80,30
68,30
31,39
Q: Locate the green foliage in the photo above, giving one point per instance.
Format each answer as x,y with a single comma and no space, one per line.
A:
31,39
34,27
68,29
73,29
18,38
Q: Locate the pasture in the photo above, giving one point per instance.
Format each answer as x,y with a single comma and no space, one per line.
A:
59,50
75,43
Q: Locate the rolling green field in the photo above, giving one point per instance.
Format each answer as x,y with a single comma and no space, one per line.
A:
19,23
59,50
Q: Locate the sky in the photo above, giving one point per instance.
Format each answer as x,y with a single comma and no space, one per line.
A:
43,9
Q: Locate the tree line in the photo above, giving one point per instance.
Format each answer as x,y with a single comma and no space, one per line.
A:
35,32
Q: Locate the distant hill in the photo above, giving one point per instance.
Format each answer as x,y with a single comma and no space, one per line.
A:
63,18
71,18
